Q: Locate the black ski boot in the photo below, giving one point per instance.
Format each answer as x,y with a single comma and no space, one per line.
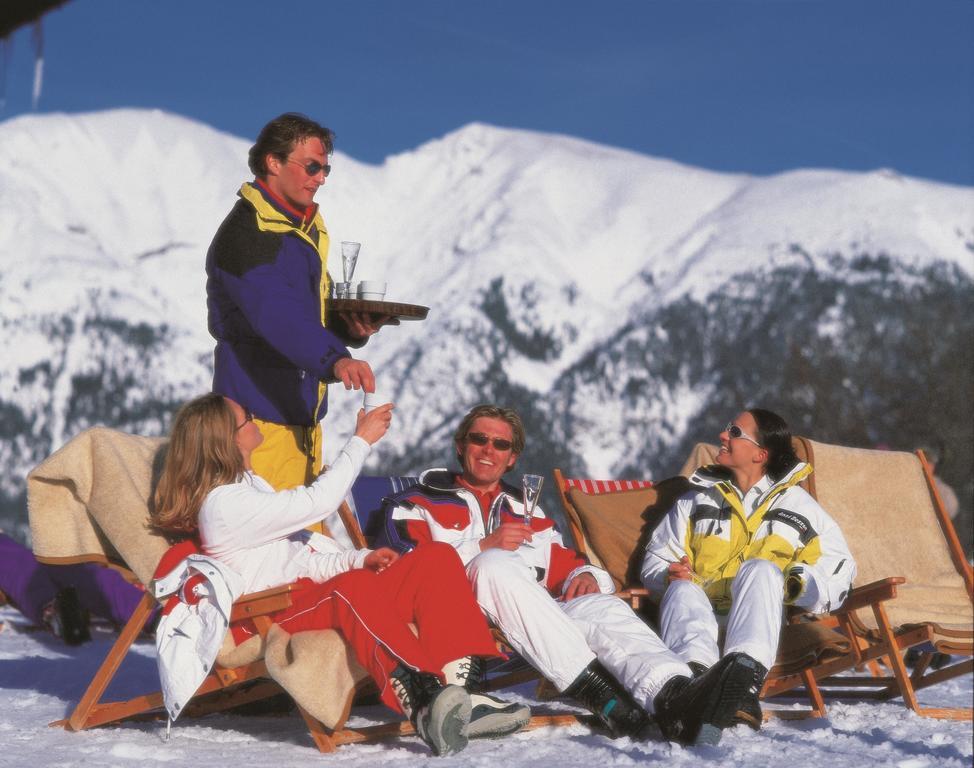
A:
600,692
66,618
490,716
439,713
750,713
696,711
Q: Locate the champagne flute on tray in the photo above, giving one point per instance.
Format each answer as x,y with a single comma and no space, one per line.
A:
350,251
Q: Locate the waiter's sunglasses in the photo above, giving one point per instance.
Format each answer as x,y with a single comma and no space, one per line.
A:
313,167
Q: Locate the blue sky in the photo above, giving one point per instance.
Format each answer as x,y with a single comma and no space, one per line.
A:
759,86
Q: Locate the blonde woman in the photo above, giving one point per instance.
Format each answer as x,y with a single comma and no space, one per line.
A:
208,489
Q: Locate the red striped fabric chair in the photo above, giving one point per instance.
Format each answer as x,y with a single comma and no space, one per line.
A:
612,538
567,485
605,486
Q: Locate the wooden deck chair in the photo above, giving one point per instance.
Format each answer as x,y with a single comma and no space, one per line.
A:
614,526
894,521
579,532
89,502
360,512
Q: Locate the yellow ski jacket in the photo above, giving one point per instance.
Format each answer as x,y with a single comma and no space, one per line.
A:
718,528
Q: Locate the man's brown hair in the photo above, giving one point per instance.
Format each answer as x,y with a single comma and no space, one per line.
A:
280,136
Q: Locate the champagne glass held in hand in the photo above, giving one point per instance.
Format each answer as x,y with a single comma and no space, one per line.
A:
350,251
531,486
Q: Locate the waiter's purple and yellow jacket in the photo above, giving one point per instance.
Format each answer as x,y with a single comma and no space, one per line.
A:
267,283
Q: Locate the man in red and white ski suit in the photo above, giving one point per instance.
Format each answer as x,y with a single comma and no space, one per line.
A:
556,610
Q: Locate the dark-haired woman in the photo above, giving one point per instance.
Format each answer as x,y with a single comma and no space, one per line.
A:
742,543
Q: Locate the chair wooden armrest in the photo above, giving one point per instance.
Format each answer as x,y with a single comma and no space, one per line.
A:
633,595
870,594
628,592
263,602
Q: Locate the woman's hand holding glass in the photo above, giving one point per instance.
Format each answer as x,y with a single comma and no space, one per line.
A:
373,425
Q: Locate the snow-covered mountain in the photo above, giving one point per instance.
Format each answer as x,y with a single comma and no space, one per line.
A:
616,299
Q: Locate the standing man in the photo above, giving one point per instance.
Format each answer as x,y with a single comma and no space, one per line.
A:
557,611
267,286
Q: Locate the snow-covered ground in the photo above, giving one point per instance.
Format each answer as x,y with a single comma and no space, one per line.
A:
41,680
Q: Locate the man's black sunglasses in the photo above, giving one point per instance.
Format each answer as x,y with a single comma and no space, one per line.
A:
479,438
312,167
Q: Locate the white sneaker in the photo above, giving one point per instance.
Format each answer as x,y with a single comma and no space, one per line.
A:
442,723
491,717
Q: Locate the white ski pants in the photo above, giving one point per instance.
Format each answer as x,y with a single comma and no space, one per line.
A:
690,627
560,639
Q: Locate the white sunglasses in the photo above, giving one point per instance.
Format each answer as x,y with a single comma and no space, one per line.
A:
736,433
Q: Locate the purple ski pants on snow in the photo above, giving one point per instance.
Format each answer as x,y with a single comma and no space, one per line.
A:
31,585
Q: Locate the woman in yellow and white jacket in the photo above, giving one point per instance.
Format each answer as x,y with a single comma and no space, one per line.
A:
743,543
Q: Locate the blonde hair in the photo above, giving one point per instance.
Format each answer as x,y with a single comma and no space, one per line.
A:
201,456
491,411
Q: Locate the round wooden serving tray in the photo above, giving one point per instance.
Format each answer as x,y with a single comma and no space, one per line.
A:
393,308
